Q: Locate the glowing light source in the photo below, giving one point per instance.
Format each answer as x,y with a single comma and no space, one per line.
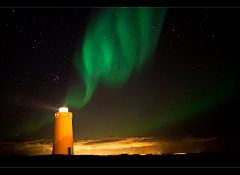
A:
63,109
178,153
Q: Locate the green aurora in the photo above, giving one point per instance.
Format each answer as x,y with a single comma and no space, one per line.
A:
189,106
120,41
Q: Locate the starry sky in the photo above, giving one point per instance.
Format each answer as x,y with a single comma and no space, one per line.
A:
137,80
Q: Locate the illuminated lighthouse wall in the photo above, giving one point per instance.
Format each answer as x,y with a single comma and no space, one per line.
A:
63,132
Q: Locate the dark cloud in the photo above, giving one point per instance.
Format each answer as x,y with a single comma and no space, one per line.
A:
198,139
90,142
33,147
110,136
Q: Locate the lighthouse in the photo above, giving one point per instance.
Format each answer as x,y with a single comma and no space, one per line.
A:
63,132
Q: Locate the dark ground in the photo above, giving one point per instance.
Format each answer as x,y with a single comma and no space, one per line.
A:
219,159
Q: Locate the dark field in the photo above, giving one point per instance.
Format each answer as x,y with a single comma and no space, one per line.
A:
219,159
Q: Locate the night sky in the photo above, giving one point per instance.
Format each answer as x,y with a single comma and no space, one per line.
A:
139,81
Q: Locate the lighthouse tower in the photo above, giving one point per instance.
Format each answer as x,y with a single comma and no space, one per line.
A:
63,132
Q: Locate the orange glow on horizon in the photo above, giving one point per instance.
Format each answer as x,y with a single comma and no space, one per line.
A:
108,146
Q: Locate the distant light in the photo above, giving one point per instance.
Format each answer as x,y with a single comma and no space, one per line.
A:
178,153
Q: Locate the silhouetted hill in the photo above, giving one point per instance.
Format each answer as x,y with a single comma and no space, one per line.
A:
207,159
